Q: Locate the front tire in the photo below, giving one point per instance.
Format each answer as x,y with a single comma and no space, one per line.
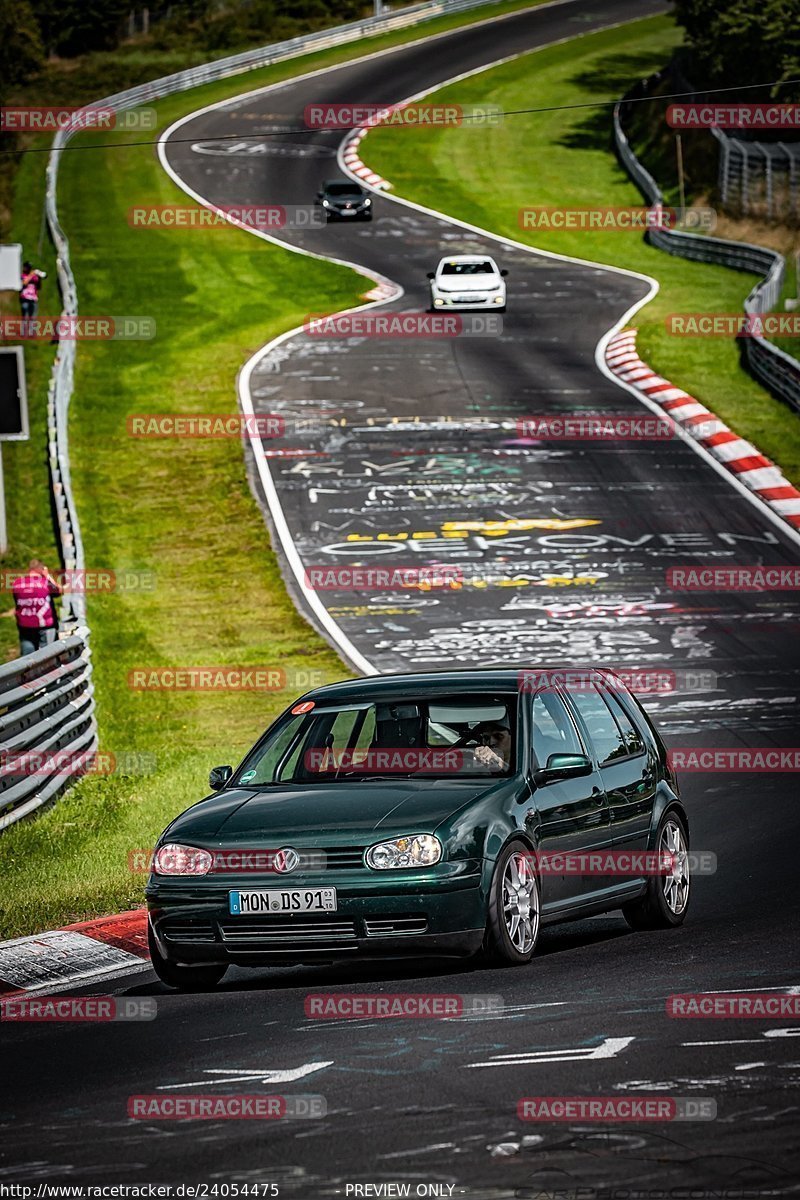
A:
666,901
184,979
514,913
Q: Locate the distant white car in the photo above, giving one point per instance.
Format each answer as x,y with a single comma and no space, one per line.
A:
468,281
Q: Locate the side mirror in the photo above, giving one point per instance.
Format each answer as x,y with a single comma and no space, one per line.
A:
563,766
431,275
218,778
504,271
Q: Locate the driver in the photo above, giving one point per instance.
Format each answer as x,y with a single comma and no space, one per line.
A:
494,745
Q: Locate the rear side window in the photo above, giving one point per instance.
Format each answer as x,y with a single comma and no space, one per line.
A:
606,735
630,734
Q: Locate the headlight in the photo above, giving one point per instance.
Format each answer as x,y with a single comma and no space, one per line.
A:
326,203
171,859
417,850
367,202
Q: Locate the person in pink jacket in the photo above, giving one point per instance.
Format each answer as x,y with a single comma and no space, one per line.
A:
34,607
29,291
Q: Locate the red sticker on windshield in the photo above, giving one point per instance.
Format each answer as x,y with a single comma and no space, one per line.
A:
305,707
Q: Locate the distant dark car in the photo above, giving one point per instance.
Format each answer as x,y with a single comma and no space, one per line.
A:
414,814
344,200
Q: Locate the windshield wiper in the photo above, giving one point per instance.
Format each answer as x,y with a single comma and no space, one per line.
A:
387,775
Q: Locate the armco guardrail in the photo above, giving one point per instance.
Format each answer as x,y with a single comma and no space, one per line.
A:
46,699
776,370
47,724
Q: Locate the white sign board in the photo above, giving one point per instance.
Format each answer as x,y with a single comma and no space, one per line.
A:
10,267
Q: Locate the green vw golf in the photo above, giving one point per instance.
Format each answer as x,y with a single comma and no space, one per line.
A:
447,813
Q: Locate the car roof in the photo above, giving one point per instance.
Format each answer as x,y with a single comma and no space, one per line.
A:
352,183
470,682
466,258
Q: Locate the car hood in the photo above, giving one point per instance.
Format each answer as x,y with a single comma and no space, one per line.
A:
325,814
345,201
466,283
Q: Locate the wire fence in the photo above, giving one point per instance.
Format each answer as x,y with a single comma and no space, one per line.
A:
759,178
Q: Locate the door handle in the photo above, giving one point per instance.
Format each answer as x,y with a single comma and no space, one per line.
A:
598,795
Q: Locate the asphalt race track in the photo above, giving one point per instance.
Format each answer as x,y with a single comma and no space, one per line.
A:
392,437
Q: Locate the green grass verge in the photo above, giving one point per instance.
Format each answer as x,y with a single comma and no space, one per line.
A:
565,158
179,509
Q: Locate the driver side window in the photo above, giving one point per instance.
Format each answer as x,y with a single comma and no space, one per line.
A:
553,731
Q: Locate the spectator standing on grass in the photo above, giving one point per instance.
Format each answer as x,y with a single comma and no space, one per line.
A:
29,292
34,607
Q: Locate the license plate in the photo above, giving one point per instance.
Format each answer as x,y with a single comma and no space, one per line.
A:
283,900
348,212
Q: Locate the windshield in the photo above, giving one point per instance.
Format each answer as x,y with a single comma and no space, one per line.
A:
343,189
428,739
468,268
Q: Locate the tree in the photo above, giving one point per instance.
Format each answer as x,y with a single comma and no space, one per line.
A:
72,27
738,43
20,45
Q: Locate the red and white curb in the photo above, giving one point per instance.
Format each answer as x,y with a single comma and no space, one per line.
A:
75,955
352,160
742,459
382,291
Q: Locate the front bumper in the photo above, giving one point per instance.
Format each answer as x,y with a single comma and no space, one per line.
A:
494,302
414,916
351,214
